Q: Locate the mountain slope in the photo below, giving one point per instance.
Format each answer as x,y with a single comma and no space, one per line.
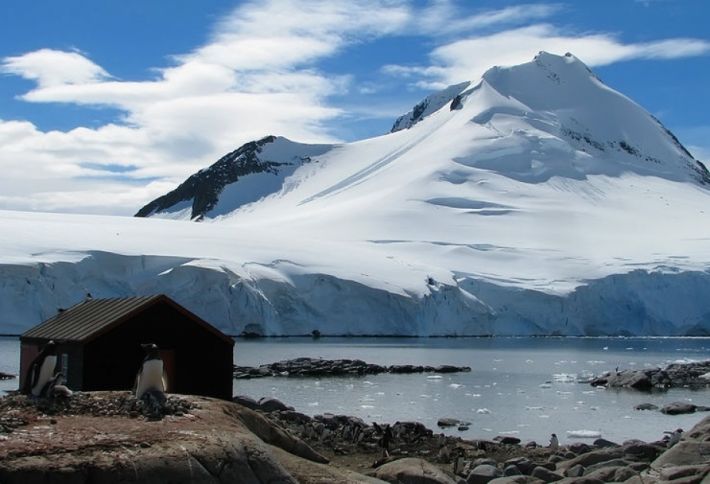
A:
243,176
536,200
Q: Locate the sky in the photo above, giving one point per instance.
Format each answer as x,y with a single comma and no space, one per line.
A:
106,105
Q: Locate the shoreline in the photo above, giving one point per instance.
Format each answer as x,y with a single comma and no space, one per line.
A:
325,448
436,337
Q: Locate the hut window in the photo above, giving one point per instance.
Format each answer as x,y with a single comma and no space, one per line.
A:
65,365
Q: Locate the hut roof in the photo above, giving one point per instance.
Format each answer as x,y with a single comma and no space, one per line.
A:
93,317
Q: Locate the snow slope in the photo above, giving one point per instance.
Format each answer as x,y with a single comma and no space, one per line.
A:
534,201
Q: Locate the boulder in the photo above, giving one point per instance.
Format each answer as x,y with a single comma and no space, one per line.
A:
412,471
575,471
609,463
246,401
693,448
522,463
269,404
684,472
512,470
545,475
603,443
582,480
678,408
612,474
646,406
482,474
507,440
448,422
639,450
516,480
595,457
579,448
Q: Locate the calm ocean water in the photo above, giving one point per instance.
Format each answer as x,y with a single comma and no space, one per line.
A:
518,386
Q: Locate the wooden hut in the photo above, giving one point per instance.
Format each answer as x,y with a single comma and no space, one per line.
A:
99,346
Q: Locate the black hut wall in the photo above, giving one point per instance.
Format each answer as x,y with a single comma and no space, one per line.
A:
202,360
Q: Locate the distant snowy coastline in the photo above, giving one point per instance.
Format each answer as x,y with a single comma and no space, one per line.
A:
534,201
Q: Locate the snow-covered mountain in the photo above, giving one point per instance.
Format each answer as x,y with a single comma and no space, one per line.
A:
535,200
243,176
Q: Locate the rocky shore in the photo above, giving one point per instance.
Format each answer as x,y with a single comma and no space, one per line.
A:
421,455
105,437
694,375
316,367
6,376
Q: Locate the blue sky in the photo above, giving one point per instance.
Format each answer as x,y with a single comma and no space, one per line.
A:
105,105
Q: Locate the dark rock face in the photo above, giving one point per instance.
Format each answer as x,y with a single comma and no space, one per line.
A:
316,367
204,187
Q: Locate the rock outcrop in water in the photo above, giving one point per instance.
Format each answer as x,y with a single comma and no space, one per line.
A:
695,375
317,367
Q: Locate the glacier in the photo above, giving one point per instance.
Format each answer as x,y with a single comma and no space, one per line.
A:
534,201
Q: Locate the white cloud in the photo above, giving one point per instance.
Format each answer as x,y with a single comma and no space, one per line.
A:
255,76
442,17
468,59
52,67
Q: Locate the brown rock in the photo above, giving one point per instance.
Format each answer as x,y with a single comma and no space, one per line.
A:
412,471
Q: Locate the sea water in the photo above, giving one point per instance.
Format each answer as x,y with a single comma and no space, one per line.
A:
523,387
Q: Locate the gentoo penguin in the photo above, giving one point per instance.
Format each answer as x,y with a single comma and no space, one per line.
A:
554,442
674,437
55,388
41,370
151,375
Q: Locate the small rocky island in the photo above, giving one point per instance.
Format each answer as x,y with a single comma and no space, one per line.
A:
107,437
317,367
695,375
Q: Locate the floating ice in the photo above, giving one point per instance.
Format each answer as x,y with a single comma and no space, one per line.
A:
545,385
313,404
455,385
564,377
584,434
434,377
483,411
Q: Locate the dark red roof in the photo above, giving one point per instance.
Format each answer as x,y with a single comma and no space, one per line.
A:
93,317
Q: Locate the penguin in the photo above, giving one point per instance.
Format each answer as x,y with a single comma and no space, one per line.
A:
674,437
554,442
41,370
151,375
55,388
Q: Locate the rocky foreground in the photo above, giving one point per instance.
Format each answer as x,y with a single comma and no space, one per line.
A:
317,367
106,437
